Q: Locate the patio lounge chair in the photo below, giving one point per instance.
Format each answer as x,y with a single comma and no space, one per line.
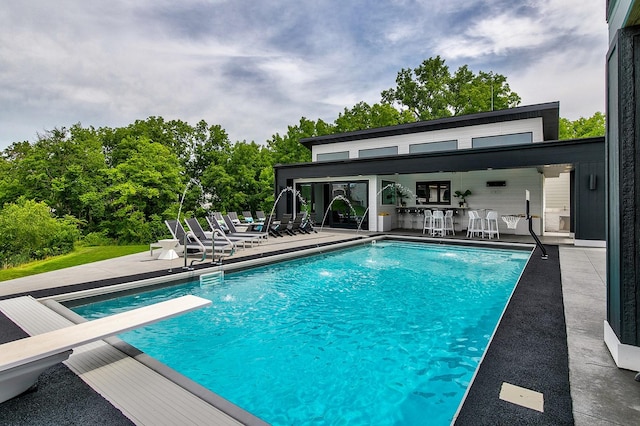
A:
283,226
23,360
265,229
234,217
248,218
193,243
218,235
252,237
296,226
260,217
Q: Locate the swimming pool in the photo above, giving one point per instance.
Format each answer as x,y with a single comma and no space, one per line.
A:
386,333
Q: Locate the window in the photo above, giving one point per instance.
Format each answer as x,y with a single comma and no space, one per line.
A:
434,192
433,146
330,156
388,193
514,139
378,152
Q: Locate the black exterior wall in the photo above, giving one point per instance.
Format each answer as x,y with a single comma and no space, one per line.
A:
587,156
623,194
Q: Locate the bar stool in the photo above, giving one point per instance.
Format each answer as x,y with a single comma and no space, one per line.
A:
417,219
448,222
401,217
428,222
490,227
438,223
474,228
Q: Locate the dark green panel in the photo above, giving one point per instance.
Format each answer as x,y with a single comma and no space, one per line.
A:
623,195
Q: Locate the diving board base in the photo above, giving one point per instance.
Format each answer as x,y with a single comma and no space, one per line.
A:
20,379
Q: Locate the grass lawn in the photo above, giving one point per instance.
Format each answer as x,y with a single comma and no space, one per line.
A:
79,256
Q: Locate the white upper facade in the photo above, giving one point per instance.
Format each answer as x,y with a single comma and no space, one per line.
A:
529,130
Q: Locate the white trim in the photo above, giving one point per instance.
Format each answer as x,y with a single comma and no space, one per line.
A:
590,243
625,356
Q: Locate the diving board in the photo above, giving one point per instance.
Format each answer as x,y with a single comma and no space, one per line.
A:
22,360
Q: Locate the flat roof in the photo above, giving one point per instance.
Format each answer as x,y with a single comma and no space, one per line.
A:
549,112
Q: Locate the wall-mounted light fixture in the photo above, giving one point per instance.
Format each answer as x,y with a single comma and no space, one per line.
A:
592,182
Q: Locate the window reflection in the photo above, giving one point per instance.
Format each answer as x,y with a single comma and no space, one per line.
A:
433,192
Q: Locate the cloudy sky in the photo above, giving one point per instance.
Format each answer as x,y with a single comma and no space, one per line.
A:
255,67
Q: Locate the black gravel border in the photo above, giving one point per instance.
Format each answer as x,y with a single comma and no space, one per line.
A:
529,350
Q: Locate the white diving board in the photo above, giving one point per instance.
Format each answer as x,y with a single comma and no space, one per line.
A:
23,360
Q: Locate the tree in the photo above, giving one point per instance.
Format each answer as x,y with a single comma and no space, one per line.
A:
363,116
430,91
59,168
28,230
144,185
287,149
583,127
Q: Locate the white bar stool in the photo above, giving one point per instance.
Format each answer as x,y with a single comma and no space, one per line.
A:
438,223
428,222
474,229
448,222
491,225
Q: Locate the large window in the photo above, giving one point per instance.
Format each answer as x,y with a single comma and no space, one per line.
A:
388,193
433,146
434,192
378,152
331,156
513,139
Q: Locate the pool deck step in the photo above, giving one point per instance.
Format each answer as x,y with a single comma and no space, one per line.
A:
143,395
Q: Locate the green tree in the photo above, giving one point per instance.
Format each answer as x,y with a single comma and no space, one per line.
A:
364,116
29,230
147,183
583,127
287,149
60,168
430,91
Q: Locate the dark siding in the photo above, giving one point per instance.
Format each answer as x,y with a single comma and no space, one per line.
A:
589,215
623,197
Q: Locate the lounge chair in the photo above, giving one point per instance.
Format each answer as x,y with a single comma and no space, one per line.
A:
234,217
248,218
283,226
23,360
216,235
266,228
193,243
251,237
260,217
296,226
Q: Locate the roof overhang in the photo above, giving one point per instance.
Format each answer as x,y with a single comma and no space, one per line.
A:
549,112
555,153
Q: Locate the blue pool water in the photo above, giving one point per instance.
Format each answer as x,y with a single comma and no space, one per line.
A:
389,333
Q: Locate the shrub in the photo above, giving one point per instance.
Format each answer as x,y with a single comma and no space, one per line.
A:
94,239
28,231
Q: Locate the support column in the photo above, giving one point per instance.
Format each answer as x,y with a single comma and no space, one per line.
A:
622,325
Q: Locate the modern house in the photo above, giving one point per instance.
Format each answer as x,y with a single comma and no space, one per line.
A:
383,178
622,325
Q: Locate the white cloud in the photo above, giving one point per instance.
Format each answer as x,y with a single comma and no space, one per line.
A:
256,67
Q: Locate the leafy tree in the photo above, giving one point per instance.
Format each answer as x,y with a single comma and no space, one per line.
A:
364,116
430,91
60,168
146,183
582,127
28,230
287,149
